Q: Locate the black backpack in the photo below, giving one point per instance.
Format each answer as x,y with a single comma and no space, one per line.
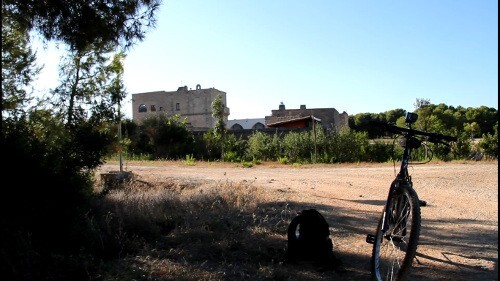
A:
309,240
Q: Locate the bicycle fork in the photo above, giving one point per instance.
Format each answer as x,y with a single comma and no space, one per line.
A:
387,214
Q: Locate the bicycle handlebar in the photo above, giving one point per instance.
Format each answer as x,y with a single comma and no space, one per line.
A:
432,137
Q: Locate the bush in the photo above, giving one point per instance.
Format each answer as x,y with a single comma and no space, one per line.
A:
378,151
297,146
347,146
489,143
231,156
211,148
259,146
167,137
41,217
462,147
234,149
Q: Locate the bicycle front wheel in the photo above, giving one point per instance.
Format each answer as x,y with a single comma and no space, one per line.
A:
394,249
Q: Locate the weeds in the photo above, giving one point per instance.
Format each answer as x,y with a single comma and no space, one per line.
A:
190,160
247,164
180,229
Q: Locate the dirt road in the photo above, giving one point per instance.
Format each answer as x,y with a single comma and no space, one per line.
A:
459,236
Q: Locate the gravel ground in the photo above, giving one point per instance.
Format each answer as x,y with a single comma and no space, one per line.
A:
459,236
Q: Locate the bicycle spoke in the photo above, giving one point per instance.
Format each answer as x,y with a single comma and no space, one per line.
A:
391,249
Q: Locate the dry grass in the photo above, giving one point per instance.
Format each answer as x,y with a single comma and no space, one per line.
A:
207,228
184,229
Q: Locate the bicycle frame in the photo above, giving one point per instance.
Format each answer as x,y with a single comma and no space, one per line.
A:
402,178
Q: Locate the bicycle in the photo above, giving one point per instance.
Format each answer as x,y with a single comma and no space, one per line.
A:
396,238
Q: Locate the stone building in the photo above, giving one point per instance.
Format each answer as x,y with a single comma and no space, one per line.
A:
195,105
329,118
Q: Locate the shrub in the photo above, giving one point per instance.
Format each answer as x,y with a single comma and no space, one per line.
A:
489,143
234,149
259,146
378,151
297,146
167,137
190,160
347,145
231,156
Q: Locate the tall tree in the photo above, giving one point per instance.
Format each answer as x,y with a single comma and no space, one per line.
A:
46,233
419,103
392,116
219,128
423,108
81,23
91,81
19,66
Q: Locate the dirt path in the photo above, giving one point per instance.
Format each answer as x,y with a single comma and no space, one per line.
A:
459,236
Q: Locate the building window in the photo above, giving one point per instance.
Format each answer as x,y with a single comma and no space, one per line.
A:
258,126
236,127
143,108
177,106
153,107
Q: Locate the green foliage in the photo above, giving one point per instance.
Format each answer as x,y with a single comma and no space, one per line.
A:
166,137
59,144
297,146
472,129
442,152
485,117
219,129
378,151
212,148
190,160
79,24
283,160
346,146
489,143
462,147
392,116
19,67
247,164
234,148
231,156
218,114
259,146
361,121
316,146
90,81
465,123
321,146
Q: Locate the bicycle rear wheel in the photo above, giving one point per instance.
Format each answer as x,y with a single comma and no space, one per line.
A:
395,248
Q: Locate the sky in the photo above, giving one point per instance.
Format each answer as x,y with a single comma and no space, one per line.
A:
357,56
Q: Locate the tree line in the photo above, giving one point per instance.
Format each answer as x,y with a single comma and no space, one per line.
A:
163,137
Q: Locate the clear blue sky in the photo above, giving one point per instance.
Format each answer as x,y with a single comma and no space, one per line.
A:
355,56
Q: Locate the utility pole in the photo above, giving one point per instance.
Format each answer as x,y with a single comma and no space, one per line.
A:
120,138
314,132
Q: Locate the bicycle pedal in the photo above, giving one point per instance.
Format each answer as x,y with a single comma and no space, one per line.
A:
370,239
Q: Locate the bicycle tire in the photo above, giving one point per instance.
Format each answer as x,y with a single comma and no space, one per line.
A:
393,252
